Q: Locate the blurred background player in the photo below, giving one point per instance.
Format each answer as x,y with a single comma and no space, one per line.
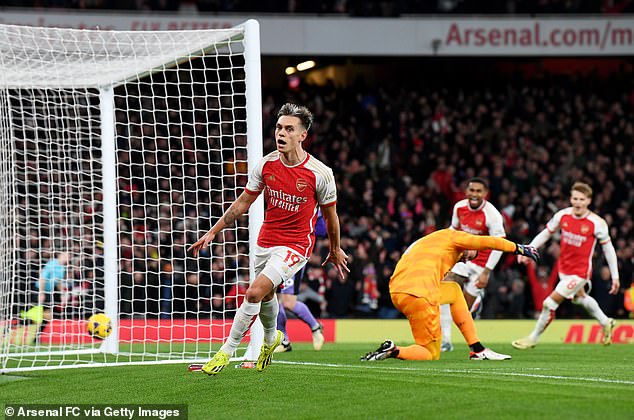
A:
295,184
477,216
580,230
289,302
417,290
51,293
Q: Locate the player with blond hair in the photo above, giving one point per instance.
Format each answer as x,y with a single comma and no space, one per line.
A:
417,290
580,231
295,184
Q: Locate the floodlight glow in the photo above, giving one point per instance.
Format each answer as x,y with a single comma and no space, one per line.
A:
306,65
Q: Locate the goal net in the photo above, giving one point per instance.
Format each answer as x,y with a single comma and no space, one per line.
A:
118,150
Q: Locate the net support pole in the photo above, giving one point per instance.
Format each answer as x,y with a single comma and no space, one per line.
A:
109,179
8,218
254,154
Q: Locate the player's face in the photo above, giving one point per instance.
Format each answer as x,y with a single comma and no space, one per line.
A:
579,202
289,133
475,194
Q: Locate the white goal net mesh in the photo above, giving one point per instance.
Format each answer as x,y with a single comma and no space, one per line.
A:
174,106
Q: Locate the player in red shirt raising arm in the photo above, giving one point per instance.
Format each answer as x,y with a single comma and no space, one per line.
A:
295,184
580,230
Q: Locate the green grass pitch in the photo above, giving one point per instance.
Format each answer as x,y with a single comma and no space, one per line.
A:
550,381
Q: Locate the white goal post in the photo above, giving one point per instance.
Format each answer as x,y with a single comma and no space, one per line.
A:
117,151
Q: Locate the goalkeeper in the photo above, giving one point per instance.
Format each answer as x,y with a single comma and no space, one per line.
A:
417,291
48,296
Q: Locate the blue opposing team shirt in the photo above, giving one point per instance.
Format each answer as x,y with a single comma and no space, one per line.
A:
52,272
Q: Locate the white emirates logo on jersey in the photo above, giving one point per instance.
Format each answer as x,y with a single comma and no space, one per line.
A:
285,201
572,238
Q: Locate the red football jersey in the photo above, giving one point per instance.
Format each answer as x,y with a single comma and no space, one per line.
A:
579,236
485,220
292,195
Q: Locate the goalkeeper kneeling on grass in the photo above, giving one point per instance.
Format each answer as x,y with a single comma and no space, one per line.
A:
418,287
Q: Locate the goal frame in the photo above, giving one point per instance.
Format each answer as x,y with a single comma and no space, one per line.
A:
253,95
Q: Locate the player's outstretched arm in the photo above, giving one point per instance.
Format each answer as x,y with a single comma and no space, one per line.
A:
336,256
237,209
466,240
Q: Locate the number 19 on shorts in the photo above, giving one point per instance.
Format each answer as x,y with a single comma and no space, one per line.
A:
292,258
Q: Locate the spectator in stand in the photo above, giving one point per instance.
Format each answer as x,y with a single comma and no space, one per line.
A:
541,284
628,301
610,303
235,296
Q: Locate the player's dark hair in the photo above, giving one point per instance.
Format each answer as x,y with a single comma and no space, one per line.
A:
301,112
479,180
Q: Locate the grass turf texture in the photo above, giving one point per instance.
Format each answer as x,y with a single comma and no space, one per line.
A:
550,381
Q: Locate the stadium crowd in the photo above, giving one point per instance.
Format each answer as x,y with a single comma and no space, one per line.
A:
401,158
355,8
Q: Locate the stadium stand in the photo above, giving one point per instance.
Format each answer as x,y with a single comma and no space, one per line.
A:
531,142
354,8
402,155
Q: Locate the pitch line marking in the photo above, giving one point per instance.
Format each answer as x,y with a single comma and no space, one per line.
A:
372,365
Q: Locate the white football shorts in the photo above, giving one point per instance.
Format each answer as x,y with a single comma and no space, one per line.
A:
569,285
472,272
278,263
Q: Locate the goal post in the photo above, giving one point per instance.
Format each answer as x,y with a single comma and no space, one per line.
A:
110,266
119,149
254,130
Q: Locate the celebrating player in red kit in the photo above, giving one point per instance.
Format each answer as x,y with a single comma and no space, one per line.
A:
477,216
295,186
580,230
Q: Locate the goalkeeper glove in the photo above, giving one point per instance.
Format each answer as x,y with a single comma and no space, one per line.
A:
527,251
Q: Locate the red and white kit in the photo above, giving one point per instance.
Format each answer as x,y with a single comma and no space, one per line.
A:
292,195
579,236
484,220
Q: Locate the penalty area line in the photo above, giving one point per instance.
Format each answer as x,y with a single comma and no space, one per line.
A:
371,366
